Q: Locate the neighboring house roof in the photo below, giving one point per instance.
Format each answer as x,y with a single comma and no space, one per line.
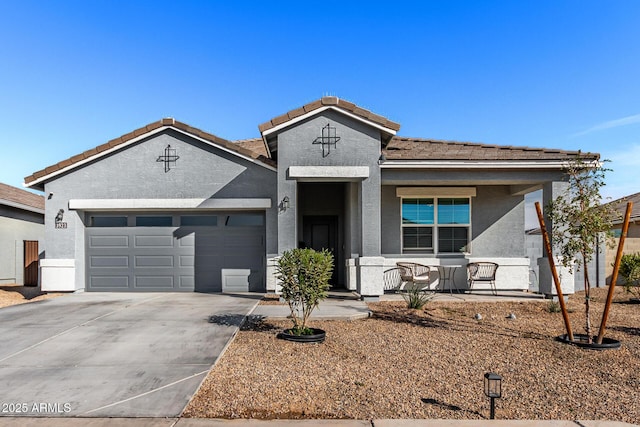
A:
140,132
621,207
402,148
19,198
329,102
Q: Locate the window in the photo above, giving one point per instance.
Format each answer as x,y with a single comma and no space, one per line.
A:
199,220
108,221
435,225
244,220
154,221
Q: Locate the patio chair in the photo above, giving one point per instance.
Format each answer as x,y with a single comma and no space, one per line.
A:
391,280
482,272
416,274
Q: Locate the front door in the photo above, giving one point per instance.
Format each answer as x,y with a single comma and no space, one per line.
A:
321,232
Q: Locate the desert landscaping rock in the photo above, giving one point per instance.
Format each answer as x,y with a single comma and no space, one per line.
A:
430,364
15,294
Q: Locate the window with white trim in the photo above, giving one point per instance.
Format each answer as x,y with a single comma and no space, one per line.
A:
436,225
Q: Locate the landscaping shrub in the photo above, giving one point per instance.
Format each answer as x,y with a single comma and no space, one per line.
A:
630,272
417,298
553,307
304,279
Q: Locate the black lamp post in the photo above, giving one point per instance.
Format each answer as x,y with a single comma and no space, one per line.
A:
493,390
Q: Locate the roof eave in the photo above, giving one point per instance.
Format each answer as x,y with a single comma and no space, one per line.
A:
21,206
317,111
475,164
38,183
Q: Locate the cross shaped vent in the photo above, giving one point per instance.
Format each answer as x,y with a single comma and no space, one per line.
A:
327,139
168,157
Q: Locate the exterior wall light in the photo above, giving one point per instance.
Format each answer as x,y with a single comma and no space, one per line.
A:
493,390
284,204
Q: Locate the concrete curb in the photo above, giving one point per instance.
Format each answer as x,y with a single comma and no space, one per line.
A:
204,422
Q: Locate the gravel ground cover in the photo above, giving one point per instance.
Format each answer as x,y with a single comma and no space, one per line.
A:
430,364
13,294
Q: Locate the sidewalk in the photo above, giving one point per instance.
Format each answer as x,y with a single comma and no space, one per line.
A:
200,422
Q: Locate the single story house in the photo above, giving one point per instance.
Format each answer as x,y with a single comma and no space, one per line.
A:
21,235
169,207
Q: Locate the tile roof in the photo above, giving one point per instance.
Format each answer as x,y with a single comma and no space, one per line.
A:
20,196
402,148
333,101
621,207
253,144
166,122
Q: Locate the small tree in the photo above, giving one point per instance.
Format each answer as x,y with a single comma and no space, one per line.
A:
580,220
304,277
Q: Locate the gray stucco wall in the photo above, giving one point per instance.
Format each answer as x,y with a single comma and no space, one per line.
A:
16,226
202,171
497,222
359,145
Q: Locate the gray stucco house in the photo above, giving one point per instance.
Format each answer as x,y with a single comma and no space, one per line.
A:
21,235
169,207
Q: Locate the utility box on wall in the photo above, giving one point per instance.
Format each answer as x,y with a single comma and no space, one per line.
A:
235,279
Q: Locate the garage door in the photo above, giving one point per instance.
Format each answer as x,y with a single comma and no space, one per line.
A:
172,253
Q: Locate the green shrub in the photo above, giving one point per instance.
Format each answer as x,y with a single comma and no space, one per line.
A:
304,279
630,272
553,307
416,298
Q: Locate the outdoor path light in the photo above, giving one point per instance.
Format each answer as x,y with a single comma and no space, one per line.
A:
493,390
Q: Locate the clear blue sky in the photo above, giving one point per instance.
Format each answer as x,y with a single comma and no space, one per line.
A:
560,74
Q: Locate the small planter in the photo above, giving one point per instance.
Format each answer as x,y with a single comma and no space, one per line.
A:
582,341
317,336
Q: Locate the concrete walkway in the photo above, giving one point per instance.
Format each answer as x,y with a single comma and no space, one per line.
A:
199,422
347,306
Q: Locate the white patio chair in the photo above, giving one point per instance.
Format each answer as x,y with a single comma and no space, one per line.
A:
416,274
482,272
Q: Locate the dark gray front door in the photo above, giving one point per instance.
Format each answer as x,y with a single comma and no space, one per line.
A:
321,232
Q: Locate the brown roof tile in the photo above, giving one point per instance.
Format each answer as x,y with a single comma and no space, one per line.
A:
621,207
329,101
402,148
253,144
18,195
141,131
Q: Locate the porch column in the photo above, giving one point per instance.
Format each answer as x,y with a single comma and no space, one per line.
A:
370,265
550,191
287,215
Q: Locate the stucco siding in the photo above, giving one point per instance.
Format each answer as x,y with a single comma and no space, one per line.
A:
202,171
391,220
15,228
359,145
497,223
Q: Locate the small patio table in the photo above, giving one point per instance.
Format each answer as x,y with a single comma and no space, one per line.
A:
448,276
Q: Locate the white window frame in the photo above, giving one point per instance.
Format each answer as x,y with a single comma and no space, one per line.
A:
436,225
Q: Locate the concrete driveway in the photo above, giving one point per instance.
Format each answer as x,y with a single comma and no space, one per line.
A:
112,354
